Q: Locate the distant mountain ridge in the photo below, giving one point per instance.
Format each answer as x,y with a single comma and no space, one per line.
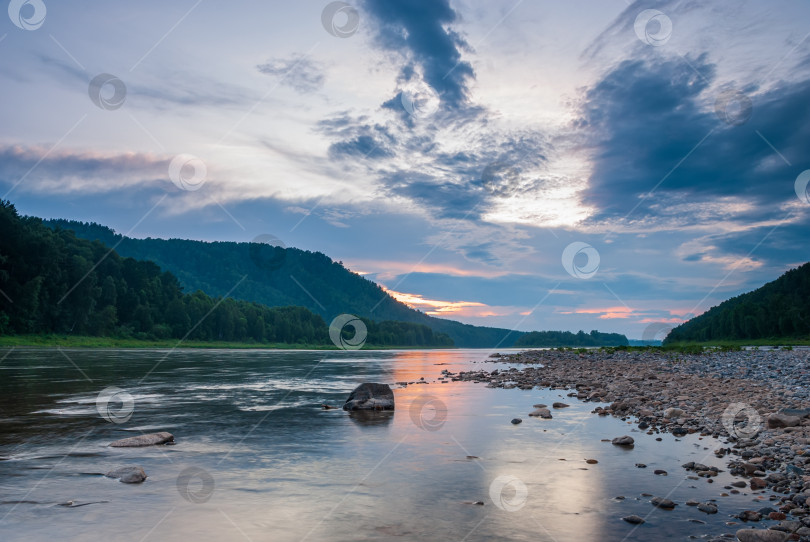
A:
778,310
277,277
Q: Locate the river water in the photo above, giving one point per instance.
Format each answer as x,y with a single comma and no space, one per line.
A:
256,458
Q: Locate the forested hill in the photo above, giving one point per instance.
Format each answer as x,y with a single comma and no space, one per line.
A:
53,282
276,276
778,310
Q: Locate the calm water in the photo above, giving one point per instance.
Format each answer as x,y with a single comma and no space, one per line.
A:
269,464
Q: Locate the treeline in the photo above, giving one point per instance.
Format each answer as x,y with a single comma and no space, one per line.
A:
214,267
566,338
777,310
53,282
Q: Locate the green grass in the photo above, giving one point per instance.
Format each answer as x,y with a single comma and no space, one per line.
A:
78,341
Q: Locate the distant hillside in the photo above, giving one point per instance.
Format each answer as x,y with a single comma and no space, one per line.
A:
282,277
53,282
550,339
778,310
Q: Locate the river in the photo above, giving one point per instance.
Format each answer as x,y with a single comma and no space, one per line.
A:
256,458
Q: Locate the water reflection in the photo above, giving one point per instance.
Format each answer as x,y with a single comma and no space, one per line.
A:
284,469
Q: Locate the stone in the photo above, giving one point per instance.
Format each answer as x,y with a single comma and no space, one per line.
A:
623,441
635,520
707,507
591,461
750,515
660,502
541,413
370,396
673,413
151,439
660,472
782,420
560,405
516,421
758,483
128,475
760,535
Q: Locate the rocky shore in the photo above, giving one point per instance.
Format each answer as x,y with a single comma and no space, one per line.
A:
756,403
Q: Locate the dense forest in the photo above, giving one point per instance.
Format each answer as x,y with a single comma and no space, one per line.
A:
53,282
777,310
277,276
566,338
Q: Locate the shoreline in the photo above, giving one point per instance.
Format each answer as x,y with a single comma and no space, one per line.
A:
755,403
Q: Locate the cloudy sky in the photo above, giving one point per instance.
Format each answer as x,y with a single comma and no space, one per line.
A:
598,164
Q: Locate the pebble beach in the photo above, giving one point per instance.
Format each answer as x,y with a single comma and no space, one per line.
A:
753,405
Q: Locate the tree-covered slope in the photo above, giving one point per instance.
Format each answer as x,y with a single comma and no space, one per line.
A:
777,310
281,277
53,282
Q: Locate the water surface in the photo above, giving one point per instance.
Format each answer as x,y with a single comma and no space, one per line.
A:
256,458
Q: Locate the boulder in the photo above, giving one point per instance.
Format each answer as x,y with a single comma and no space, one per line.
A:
150,439
760,535
623,441
128,475
635,520
782,420
561,405
516,421
673,413
370,396
660,502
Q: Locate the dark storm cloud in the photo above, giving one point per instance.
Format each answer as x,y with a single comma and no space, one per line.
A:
643,118
297,72
418,30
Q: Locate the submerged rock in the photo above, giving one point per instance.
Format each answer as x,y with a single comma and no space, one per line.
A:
541,413
635,520
128,475
150,439
516,421
623,441
370,396
660,502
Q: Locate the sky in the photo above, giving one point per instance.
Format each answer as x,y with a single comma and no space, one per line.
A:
602,164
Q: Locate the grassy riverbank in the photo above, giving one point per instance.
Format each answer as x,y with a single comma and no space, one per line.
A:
78,341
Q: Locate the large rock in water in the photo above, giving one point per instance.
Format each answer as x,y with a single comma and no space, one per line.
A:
370,396
144,440
128,475
760,535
